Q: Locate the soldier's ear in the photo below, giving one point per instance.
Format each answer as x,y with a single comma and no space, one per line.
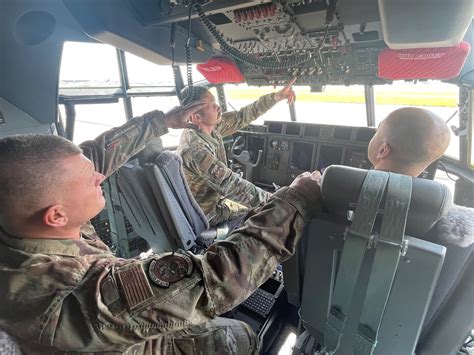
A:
384,151
194,116
55,216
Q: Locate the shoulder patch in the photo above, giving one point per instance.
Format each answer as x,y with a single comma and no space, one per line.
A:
134,285
110,295
169,269
217,171
205,162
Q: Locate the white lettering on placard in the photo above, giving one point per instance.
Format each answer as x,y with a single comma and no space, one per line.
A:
425,56
213,68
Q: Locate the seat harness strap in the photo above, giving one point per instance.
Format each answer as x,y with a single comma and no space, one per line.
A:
357,240
389,247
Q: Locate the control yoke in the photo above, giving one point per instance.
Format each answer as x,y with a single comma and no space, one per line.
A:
244,157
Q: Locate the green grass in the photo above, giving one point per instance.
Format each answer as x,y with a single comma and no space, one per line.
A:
385,96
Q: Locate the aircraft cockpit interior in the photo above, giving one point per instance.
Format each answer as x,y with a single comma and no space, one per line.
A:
403,286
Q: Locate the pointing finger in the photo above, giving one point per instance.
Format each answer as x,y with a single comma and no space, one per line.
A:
290,83
292,98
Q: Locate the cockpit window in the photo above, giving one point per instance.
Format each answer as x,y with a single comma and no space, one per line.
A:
334,105
145,74
94,119
88,65
240,95
90,83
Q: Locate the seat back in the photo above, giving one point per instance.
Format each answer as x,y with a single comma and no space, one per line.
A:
159,205
450,316
430,201
415,278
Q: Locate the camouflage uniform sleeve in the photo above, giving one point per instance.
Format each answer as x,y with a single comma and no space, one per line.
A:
113,148
125,304
220,178
235,120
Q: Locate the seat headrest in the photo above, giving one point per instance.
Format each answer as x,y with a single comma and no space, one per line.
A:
341,185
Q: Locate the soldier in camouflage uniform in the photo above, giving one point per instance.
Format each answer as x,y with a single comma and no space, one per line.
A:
222,194
63,291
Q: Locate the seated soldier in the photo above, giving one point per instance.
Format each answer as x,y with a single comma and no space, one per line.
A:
408,141
222,194
64,291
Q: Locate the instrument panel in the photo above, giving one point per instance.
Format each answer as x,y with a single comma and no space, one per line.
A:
290,148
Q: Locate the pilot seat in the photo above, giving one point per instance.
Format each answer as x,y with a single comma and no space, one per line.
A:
368,276
156,199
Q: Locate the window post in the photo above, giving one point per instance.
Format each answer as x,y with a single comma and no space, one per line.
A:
124,83
70,118
292,112
370,104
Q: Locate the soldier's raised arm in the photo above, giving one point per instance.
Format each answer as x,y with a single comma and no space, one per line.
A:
235,120
113,148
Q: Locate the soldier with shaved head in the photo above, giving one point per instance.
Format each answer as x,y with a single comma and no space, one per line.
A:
408,141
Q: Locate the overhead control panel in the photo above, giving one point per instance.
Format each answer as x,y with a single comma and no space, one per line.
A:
319,41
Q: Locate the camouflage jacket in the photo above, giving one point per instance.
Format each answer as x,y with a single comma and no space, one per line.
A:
75,296
214,185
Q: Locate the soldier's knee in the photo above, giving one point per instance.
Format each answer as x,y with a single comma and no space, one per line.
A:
253,342
241,339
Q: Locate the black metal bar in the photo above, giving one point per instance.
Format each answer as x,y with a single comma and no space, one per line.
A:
221,97
370,105
454,167
125,84
151,93
70,119
178,81
88,100
292,112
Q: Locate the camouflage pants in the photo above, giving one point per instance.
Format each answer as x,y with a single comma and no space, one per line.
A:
219,336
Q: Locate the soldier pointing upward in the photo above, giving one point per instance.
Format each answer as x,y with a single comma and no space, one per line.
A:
222,194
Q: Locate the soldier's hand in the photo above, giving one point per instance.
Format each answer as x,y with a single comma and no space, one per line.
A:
309,184
180,116
287,93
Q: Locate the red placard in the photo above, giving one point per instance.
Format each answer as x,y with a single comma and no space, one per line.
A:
221,70
423,63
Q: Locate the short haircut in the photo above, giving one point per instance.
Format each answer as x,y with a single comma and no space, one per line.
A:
416,135
30,170
198,93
